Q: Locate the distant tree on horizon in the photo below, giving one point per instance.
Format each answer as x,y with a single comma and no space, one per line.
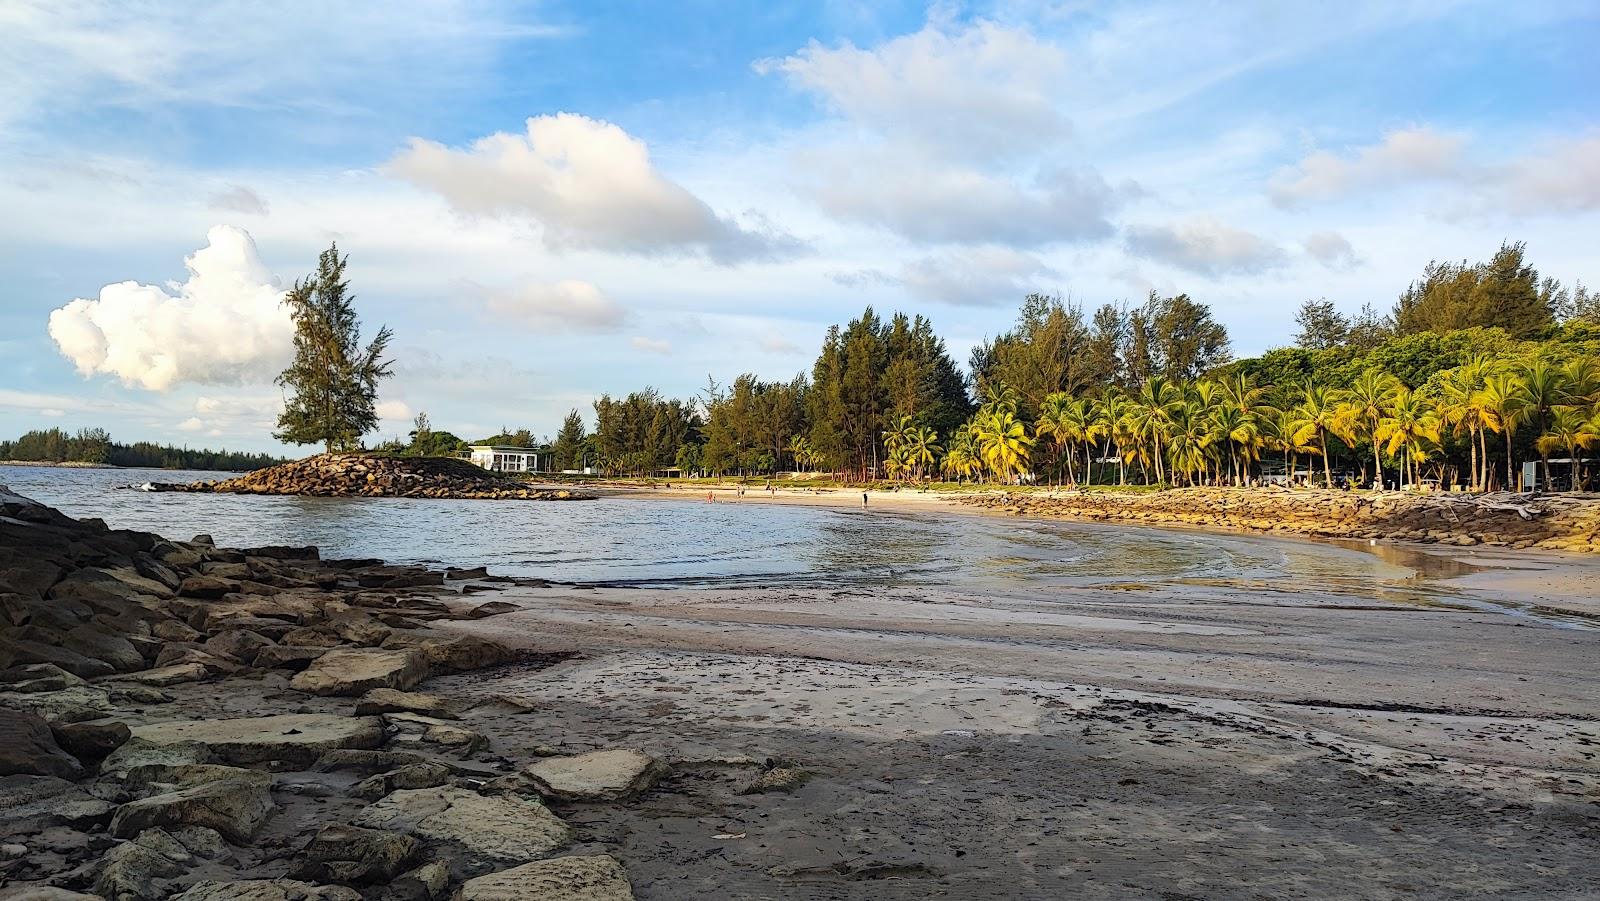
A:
333,381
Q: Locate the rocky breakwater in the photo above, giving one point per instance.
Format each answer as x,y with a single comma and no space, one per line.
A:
366,475
1552,521
179,720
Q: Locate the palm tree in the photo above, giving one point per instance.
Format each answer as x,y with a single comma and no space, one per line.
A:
1460,406
1570,430
1190,435
921,448
1115,410
1152,414
1054,421
1505,410
1365,403
1003,442
1410,423
1543,387
1316,416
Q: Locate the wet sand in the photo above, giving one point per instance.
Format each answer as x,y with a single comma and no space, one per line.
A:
1433,735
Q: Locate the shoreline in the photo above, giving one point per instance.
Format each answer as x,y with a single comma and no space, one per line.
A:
785,741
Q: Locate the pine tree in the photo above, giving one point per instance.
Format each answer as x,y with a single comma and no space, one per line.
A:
332,382
567,452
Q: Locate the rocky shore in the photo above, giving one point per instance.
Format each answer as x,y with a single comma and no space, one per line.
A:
1566,522
366,475
182,720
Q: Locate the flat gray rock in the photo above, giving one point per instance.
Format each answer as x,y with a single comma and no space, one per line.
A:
298,738
596,776
235,807
268,890
490,830
354,671
589,878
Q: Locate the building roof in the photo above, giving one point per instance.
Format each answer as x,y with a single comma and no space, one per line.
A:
506,448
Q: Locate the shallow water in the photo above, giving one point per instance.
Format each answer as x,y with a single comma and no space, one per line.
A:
691,543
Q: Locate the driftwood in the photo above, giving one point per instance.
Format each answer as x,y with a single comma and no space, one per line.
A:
1505,501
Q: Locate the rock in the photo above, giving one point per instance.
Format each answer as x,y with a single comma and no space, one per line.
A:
209,587
72,704
138,870
267,890
204,843
596,776
776,779
492,608
156,778
354,671
136,752
415,727
417,775
487,831
456,653
387,700
429,882
240,644
215,664
36,677
352,855
359,629
175,674
235,807
365,761
16,651
588,878
27,748
43,893
289,657
34,803
296,738
174,630
91,742
101,645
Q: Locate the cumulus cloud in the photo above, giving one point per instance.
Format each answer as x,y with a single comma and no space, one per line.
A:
1562,178
224,325
566,306
192,424
589,185
394,411
1411,154
651,345
1205,246
239,199
1331,249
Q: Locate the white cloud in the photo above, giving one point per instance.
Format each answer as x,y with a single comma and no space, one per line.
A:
590,185
1407,155
989,276
1564,178
777,344
1205,246
239,199
982,91
953,134
225,325
566,306
1331,249
650,345
192,424
394,411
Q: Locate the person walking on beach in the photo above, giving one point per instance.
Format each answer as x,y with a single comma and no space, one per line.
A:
863,500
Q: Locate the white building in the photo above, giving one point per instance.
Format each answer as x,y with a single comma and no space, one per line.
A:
501,458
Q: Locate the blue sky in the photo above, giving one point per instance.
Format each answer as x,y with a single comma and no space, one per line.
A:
547,201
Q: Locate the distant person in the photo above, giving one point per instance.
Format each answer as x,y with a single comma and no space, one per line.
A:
863,500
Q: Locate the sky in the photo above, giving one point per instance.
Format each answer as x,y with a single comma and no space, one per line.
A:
550,201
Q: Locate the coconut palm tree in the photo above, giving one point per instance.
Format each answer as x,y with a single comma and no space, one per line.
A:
921,449
1409,425
1240,433
1115,411
1505,410
1003,442
1152,415
1363,406
1316,417
1189,437
1570,430
1460,407
1543,387
1054,422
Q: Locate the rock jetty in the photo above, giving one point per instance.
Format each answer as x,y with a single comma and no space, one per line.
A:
368,475
1566,522
179,720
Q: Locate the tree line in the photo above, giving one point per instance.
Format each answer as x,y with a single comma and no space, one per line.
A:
1475,368
95,446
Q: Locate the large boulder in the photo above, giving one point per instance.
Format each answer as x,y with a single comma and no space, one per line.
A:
288,656
454,653
267,890
91,742
580,878
296,738
27,748
487,831
354,671
100,644
351,855
416,775
34,803
235,807
18,652
596,776
140,869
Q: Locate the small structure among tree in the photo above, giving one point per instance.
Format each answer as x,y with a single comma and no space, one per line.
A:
333,382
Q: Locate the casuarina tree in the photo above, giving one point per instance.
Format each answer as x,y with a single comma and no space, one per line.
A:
332,385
